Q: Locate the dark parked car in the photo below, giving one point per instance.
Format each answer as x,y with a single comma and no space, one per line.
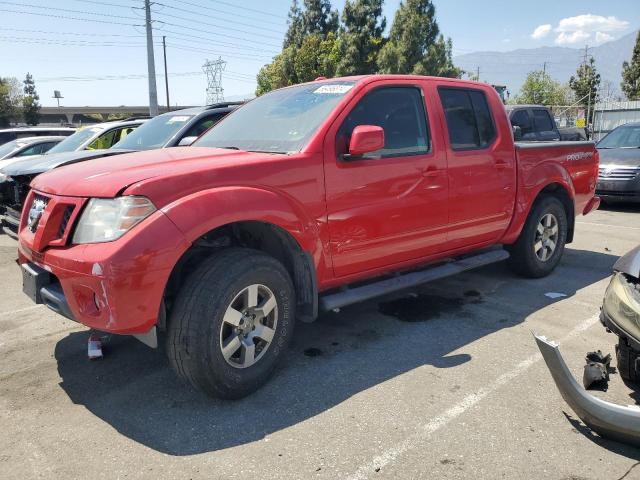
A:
26,147
9,134
619,174
536,124
178,128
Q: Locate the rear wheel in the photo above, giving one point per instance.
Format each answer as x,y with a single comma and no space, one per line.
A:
539,248
231,323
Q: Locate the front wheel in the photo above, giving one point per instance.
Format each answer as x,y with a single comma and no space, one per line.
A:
541,243
231,323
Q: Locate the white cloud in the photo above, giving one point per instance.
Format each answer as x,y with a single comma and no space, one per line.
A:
591,23
602,37
581,28
541,31
578,36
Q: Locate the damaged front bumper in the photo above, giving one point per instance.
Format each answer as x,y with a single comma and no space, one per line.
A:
605,418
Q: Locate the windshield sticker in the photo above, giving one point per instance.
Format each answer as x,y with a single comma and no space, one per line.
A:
178,119
333,89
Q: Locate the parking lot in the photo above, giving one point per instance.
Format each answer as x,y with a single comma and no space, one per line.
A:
444,381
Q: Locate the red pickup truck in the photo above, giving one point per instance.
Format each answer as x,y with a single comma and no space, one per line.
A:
305,199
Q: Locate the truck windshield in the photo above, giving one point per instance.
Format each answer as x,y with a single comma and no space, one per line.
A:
73,142
155,133
278,122
622,137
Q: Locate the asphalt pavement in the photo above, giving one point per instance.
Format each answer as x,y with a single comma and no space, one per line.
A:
440,382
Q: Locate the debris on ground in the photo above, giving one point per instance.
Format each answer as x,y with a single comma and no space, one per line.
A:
596,371
94,347
555,295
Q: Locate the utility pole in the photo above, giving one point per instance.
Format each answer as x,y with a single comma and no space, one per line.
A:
478,73
166,75
151,64
544,69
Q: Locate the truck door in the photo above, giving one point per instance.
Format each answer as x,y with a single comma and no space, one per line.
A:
481,167
389,206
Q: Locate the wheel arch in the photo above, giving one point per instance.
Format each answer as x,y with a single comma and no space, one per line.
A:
557,188
258,235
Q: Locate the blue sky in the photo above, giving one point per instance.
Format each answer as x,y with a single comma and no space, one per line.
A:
62,52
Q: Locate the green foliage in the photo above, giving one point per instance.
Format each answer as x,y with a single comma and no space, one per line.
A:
540,89
318,18
10,100
585,85
30,104
631,73
360,37
415,45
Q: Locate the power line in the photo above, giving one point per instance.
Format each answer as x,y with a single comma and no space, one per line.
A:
65,17
211,16
187,27
208,39
224,12
66,10
261,12
215,25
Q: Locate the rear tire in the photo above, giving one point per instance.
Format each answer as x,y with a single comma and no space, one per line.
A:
540,245
231,323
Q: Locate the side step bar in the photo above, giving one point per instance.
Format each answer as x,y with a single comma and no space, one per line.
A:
407,280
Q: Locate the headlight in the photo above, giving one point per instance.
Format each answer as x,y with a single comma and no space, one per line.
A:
107,219
622,303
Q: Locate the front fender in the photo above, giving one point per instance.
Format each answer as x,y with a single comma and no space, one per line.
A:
207,210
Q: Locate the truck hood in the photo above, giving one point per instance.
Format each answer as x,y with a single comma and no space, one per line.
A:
623,157
44,163
107,177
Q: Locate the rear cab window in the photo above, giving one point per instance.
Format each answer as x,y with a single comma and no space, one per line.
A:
468,117
400,112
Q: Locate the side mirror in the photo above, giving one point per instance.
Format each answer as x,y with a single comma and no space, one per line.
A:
517,133
366,139
186,141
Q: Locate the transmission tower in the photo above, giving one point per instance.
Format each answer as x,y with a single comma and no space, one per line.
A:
213,70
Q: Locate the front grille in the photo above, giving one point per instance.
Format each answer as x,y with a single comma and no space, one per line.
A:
618,173
66,216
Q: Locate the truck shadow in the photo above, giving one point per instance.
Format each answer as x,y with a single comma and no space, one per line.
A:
331,360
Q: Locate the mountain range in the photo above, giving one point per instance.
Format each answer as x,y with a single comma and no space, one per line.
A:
511,68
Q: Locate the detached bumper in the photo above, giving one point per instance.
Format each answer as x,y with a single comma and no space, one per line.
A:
605,418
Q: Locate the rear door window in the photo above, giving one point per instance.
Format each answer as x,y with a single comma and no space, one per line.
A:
468,118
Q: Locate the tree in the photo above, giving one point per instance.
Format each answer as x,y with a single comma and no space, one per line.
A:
10,100
585,85
360,37
295,32
415,44
30,104
316,57
540,88
312,36
318,18
631,73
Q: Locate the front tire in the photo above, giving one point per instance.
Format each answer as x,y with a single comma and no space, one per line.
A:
540,245
231,323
